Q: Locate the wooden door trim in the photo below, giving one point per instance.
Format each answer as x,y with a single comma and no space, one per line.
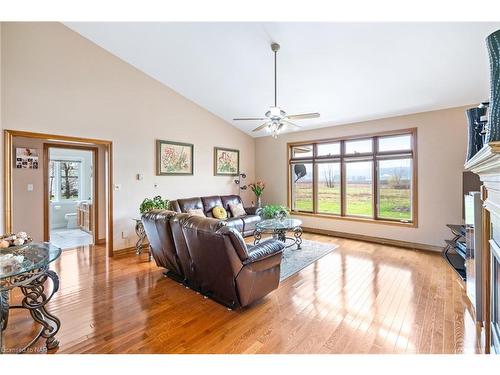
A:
95,195
78,141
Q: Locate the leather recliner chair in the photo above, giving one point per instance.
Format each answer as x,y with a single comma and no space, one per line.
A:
212,258
158,227
224,268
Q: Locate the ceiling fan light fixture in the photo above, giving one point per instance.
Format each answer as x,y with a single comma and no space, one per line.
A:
275,117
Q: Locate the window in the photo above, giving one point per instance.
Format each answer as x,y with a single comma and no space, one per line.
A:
64,180
363,146
370,177
394,184
302,187
329,188
359,188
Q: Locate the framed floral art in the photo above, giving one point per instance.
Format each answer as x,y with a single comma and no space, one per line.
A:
226,162
174,158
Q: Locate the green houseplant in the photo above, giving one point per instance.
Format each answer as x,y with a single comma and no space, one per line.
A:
272,211
149,204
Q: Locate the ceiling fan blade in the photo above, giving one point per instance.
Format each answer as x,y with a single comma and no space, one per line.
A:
303,116
249,118
286,122
260,127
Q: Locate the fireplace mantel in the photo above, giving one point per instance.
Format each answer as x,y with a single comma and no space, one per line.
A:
486,161
486,164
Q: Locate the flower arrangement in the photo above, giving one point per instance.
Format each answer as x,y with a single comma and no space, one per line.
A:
258,187
157,202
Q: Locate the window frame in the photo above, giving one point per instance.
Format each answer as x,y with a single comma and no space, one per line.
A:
375,156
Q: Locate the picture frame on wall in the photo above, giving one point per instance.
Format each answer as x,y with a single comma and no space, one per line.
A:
26,158
226,161
174,158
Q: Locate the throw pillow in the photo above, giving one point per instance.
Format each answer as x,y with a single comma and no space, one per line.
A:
219,213
237,210
196,212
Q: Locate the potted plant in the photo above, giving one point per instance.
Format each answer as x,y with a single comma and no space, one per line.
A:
274,211
149,204
258,188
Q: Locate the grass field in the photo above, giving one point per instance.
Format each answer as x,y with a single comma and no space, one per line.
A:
394,203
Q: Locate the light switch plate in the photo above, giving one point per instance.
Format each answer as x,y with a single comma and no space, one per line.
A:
30,187
117,187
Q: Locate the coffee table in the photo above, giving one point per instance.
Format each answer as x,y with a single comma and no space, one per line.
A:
279,228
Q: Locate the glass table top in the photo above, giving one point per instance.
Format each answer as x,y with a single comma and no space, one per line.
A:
275,224
16,260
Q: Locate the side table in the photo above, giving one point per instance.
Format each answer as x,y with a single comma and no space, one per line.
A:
142,241
29,273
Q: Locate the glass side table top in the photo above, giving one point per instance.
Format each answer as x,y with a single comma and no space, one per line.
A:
276,224
16,260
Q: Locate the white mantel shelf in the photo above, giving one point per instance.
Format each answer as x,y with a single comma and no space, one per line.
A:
486,161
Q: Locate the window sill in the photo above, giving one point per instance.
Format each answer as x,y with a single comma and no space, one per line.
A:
358,219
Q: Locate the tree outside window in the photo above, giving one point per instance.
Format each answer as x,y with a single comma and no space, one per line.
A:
64,180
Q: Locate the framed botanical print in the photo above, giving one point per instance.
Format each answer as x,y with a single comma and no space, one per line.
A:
226,162
174,158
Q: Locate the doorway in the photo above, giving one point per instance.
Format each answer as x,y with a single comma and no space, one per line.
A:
26,190
71,199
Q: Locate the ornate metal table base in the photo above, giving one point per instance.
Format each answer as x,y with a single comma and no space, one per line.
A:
34,300
141,233
280,234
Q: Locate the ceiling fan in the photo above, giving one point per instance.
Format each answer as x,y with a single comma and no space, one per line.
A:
276,118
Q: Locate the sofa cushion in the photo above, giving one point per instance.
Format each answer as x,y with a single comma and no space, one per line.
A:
237,210
227,199
189,204
196,212
249,222
209,203
219,213
236,223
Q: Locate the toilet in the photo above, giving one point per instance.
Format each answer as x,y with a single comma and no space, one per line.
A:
71,220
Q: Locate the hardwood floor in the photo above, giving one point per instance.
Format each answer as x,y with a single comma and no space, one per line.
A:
361,298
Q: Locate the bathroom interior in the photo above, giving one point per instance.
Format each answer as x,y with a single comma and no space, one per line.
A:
70,186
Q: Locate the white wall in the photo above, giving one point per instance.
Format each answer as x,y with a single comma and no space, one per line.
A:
55,81
441,155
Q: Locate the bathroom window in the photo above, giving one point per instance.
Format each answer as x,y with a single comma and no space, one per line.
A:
64,180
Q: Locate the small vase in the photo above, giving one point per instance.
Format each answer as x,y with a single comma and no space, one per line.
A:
259,202
474,130
493,129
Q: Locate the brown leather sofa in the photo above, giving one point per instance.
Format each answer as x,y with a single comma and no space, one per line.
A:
243,224
211,257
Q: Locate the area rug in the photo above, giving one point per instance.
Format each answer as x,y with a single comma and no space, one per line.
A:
294,260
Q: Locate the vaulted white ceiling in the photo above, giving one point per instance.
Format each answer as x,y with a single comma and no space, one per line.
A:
346,71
